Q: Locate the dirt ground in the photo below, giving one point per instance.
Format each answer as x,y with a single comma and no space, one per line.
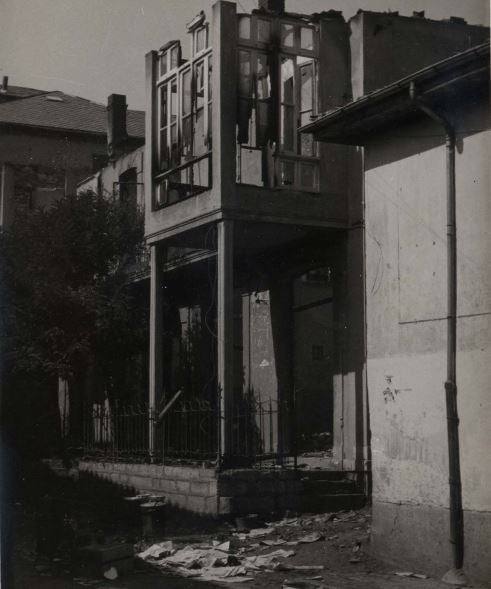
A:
341,551
42,555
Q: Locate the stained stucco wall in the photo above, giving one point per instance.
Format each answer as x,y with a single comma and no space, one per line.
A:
406,291
109,175
32,160
385,47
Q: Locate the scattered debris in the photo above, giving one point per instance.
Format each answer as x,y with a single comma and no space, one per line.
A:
157,551
111,574
213,563
313,537
258,532
410,574
277,542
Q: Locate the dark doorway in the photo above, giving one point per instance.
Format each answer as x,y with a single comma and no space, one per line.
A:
313,360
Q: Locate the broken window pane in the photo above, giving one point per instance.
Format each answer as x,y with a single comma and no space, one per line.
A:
263,77
244,27
164,150
263,30
287,35
287,128
208,134
173,104
171,187
200,84
200,36
307,175
174,57
244,73
306,86
307,145
175,159
210,86
287,80
201,174
163,106
243,119
187,135
186,92
306,38
163,63
287,173
263,101
199,133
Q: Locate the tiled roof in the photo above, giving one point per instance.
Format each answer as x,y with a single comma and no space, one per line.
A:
56,110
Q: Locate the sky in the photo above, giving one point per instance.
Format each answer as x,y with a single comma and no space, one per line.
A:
93,48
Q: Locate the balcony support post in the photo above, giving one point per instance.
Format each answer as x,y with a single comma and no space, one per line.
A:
225,347
156,349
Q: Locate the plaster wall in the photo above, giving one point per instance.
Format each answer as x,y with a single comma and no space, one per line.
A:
406,289
33,161
54,150
109,175
386,47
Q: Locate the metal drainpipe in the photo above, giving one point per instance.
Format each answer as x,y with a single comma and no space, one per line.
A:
455,484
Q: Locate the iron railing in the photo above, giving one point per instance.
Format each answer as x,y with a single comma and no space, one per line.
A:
260,433
188,432
116,433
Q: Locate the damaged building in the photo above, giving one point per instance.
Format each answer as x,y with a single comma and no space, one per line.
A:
267,385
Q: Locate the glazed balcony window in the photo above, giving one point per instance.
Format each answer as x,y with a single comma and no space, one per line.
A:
276,95
184,120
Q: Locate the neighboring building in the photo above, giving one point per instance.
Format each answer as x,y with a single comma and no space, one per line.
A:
406,128
122,178
256,237
50,141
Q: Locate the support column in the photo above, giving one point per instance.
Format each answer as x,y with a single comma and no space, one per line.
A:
156,326
225,328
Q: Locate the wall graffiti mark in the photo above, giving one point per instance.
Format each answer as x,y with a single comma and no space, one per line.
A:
390,394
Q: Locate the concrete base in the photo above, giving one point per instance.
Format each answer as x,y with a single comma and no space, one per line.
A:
232,492
190,487
203,490
415,537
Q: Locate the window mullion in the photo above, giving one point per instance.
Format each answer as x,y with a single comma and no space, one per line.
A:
205,95
296,105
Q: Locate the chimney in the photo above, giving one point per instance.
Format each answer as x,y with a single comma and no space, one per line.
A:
116,123
276,6
5,85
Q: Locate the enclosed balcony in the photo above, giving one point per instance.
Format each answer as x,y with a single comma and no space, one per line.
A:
222,138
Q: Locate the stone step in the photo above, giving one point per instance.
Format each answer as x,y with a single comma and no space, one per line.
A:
332,502
329,475
329,487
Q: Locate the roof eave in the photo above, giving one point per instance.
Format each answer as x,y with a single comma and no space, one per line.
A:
63,130
348,124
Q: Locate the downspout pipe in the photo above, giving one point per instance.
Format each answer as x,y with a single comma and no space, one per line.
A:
455,483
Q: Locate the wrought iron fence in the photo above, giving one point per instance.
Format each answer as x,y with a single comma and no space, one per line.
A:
260,433
189,432
114,432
